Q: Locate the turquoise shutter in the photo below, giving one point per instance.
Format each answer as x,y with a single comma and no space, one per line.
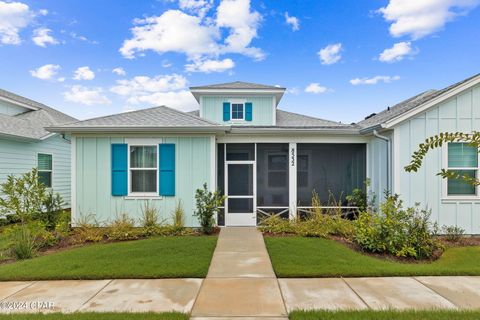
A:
226,111
248,111
167,169
119,170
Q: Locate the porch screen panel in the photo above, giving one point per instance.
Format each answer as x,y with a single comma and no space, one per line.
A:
329,168
221,168
272,175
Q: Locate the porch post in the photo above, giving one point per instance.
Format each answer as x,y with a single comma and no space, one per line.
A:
292,194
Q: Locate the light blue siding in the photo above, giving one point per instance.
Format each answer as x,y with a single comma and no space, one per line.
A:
211,108
93,179
460,113
17,157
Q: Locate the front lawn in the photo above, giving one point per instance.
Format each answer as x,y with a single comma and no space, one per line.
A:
159,257
97,316
316,257
385,315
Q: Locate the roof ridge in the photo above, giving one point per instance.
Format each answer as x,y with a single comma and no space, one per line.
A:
192,116
116,114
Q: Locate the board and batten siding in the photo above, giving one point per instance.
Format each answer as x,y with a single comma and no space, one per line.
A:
459,113
18,157
211,108
93,179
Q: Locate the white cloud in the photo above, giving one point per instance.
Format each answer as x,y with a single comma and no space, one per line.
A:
294,22
208,66
119,71
79,37
182,100
14,16
41,37
198,7
396,53
196,36
315,88
374,80
84,73
87,96
293,91
418,19
46,72
331,53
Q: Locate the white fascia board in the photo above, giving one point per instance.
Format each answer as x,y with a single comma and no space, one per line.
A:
427,105
17,103
278,93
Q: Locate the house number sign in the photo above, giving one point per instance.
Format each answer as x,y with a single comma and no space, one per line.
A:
292,157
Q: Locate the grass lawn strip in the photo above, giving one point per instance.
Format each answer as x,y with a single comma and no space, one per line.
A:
316,257
384,315
160,257
97,316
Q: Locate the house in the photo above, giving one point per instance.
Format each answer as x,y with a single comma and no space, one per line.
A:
25,144
268,161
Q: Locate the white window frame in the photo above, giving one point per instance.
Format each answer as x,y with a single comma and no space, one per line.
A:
231,110
51,171
143,194
446,196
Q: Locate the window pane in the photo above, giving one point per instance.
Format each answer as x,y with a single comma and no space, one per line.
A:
143,157
459,186
240,151
45,177
144,180
277,162
237,111
272,174
461,155
44,161
240,180
277,179
302,162
242,205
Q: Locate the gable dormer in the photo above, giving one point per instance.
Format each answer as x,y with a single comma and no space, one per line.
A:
239,103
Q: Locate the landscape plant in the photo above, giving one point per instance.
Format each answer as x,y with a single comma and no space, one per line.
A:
178,218
208,205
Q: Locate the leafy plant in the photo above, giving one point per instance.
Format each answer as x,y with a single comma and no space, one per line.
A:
150,219
398,231
277,225
208,205
87,229
453,233
51,210
178,217
24,246
123,228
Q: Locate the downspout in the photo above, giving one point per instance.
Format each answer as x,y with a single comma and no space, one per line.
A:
388,141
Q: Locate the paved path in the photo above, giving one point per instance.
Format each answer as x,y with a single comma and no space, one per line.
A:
241,283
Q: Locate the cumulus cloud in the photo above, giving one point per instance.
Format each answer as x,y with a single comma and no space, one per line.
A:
182,100
45,72
84,73
208,66
331,54
87,96
119,71
41,37
398,52
418,19
14,16
293,22
315,88
198,7
374,80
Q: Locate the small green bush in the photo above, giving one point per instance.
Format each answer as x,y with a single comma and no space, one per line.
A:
51,210
208,206
87,229
24,245
178,218
277,225
149,220
397,231
123,228
453,233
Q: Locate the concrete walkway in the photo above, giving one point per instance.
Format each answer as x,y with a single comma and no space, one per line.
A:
240,283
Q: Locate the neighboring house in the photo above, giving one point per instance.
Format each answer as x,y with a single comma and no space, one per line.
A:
25,144
266,160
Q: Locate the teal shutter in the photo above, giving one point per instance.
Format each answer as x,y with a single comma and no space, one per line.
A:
167,169
226,111
119,170
248,111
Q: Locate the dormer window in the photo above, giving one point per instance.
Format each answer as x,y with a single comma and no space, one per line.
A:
238,111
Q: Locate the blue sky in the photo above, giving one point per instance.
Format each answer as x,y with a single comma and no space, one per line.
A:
340,60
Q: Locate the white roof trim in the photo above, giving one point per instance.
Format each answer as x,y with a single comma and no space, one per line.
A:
427,105
17,103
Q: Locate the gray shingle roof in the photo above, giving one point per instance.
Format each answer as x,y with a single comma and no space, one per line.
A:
154,118
30,124
238,85
407,105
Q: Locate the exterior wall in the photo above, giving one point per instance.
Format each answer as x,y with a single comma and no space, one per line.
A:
10,109
460,113
211,108
17,157
92,173
377,168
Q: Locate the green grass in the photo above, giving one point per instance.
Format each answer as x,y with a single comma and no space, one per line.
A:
98,316
384,315
161,257
316,257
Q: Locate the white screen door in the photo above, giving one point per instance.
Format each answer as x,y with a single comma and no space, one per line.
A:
240,191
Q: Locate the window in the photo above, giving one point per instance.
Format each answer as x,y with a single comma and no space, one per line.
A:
44,165
463,160
302,170
143,169
277,170
237,111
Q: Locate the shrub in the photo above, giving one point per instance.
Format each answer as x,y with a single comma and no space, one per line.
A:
24,246
453,233
51,210
208,205
178,217
87,230
123,228
149,220
398,231
277,225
